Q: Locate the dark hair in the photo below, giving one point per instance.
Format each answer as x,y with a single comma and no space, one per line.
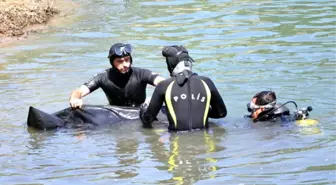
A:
265,97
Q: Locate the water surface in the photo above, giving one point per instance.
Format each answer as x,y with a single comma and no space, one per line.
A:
244,46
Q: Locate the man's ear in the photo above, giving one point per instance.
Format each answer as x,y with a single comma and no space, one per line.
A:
111,59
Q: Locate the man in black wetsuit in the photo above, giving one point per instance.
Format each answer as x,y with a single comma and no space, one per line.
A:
190,99
122,84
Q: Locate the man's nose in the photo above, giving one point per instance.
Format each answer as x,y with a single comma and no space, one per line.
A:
125,63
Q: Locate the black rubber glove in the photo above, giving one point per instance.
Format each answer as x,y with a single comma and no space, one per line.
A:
146,122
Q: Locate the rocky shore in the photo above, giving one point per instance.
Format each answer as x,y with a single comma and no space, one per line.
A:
18,18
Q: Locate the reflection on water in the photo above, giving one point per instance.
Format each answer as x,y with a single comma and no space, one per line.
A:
244,46
187,156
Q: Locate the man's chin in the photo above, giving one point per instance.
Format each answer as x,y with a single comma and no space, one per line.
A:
124,72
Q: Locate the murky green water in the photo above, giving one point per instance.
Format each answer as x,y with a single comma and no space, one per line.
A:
244,46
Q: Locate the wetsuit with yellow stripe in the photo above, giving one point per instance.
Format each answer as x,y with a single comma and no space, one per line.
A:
189,105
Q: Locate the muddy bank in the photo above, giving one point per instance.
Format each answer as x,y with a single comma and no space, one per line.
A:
19,18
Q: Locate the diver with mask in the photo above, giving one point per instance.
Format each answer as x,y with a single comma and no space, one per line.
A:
123,84
263,107
190,99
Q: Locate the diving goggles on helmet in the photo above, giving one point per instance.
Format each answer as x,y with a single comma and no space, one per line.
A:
123,50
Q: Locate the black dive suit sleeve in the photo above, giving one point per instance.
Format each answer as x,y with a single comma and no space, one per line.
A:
218,108
148,115
94,82
148,76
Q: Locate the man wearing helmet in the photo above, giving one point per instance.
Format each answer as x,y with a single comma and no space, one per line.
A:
190,99
122,84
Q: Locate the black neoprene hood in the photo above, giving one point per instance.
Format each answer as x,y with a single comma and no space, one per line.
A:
174,54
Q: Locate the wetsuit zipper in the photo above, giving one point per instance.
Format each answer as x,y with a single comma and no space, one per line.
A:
189,106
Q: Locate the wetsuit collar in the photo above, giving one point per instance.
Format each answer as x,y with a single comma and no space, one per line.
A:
120,79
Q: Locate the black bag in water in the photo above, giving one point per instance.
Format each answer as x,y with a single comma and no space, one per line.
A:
87,116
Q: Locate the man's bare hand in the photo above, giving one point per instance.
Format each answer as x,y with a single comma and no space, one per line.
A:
76,103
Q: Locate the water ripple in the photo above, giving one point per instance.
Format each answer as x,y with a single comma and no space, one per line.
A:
244,46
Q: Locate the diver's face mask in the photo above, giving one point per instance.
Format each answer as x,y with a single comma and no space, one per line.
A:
252,106
123,50
256,110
